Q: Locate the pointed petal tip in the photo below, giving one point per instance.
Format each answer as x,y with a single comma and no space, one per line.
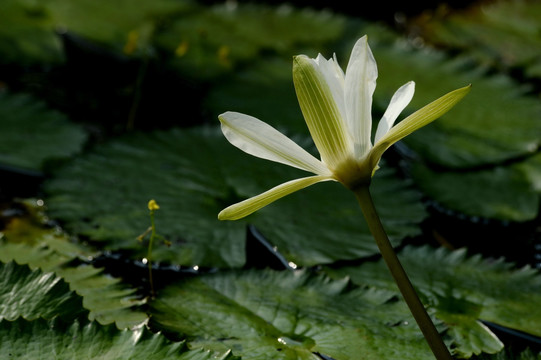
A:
244,208
223,116
223,216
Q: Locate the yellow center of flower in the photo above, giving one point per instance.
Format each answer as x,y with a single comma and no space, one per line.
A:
353,173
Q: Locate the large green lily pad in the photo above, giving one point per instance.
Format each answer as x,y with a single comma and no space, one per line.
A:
214,40
34,294
502,192
31,134
287,315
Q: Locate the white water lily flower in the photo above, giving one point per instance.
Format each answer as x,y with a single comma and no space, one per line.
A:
337,110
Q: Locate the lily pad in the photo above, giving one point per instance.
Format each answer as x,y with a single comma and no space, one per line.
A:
195,173
27,241
287,315
33,294
125,27
60,340
479,193
503,34
31,134
464,290
218,38
26,34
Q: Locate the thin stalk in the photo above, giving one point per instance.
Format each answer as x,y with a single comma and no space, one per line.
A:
401,278
149,254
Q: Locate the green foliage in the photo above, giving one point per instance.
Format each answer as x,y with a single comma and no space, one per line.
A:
193,186
26,34
34,294
27,241
495,122
60,340
30,31
222,37
478,193
46,134
126,27
503,34
481,159
287,315
463,290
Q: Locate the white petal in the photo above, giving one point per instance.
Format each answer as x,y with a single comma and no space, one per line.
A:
399,101
259,139
321,112
246,207
360,83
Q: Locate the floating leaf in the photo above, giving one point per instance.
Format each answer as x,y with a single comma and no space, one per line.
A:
502,33
26,34
287,315
59,340
463,290
217,38
479,193
33,294
31,134
511,354
125,27
27,241
193,174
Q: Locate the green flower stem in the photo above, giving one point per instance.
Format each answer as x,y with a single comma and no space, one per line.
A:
149,254
401,278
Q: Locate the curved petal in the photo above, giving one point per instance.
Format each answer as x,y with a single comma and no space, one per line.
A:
321,113
360,83
259,139
335,78
417,120
399,101
248,206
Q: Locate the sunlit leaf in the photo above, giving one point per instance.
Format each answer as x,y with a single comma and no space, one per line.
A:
33,294
287,315
27,241
60,340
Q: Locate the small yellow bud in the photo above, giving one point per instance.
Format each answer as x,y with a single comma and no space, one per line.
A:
223,56
153,205
131,44
182,48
